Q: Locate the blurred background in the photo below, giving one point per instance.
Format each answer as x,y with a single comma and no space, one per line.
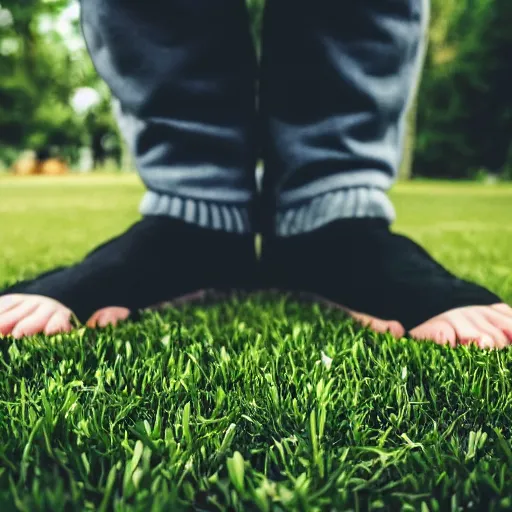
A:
55,112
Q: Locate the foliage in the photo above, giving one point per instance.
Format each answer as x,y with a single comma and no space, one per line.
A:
258,404
39,76
464,108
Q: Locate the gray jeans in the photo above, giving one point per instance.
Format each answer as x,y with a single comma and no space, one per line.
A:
324,109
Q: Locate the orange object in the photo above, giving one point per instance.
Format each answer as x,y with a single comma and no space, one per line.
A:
30,166
53,167
26,166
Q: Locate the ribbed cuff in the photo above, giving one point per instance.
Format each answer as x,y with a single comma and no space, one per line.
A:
231,218
341,204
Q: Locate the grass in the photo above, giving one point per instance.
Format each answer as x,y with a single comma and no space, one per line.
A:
251,404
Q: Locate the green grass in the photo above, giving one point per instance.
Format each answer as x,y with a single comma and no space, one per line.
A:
251,404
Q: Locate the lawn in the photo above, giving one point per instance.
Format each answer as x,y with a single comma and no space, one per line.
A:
259,403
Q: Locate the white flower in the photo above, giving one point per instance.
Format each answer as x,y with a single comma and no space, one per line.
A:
326,360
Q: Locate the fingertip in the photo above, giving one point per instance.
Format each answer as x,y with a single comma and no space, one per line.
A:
16,334
58,323
485,342
437,330
396,329
108,316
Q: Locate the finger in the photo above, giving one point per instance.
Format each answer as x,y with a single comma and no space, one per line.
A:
499,320
377,324
396,329
504,309
438,330
113,316
8,302
9,319
476,317
108,316
466,332
59,323
35,322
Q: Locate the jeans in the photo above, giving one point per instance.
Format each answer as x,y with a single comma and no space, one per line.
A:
324,108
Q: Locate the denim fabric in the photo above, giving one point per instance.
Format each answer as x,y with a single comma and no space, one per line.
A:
335,81
183,73
337,78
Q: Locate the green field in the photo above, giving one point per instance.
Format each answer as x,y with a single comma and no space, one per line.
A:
252,404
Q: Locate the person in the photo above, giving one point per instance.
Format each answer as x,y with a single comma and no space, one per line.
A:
335,80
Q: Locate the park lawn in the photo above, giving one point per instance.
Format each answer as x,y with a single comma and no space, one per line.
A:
256,403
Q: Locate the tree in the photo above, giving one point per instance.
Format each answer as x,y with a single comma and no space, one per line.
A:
464,107
40,73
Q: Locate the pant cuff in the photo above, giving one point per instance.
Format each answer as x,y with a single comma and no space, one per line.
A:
341,204
231,218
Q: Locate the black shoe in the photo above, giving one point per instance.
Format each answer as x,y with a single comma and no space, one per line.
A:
158,259
363,266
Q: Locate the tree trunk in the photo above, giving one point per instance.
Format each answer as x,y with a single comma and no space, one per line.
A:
405,171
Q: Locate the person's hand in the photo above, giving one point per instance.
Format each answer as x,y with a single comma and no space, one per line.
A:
26,315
